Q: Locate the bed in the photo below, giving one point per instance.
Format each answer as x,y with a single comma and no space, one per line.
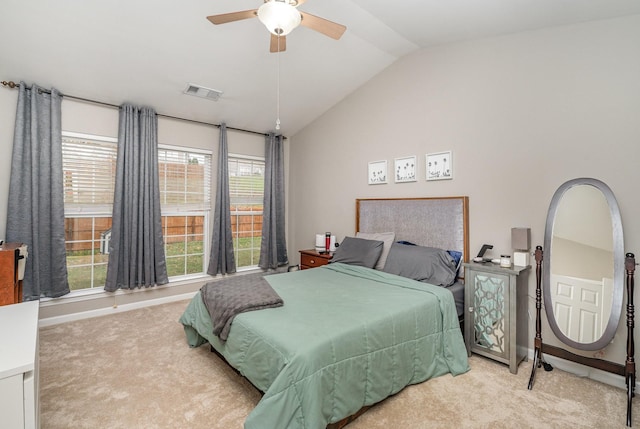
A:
347,336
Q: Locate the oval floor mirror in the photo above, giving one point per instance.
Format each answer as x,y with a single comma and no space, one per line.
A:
584,276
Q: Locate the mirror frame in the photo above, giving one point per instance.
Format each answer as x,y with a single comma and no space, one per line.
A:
618,264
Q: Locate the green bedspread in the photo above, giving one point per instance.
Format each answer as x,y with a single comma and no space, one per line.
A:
346,337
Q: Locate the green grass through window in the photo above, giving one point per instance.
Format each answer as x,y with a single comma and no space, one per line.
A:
79,269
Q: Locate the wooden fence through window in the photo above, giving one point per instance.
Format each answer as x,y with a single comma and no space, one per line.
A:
79,230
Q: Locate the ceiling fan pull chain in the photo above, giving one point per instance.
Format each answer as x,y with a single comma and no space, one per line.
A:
278,88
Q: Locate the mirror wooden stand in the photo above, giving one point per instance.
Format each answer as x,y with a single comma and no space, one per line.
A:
627,370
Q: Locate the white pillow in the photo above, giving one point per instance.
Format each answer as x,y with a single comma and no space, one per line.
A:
386,237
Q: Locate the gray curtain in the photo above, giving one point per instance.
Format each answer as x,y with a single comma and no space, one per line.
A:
222,259
35,213
273,249
136,249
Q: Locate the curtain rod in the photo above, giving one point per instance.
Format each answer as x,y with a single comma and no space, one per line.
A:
11,84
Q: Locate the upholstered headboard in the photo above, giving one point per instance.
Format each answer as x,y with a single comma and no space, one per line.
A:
435,222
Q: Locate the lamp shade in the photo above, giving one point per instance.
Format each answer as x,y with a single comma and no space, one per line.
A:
520,238
279,17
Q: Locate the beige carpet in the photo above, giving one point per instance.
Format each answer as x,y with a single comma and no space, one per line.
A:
135,370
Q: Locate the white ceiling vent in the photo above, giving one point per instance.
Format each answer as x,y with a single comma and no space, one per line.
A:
202,92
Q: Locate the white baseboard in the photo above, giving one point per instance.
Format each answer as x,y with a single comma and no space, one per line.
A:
113,310
580,370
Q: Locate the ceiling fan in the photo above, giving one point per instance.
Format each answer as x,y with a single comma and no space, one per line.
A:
280,17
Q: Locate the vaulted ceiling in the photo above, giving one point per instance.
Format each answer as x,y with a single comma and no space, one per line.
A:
148,51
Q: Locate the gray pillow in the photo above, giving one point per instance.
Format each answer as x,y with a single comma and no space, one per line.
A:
425,264
386,237
358,251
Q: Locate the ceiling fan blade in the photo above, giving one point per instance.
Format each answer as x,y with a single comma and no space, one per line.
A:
324,26
233,16
275,43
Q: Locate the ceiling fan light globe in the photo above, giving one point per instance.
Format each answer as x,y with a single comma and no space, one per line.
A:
279,17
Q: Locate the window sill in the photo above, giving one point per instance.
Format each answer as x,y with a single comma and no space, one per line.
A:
99,293
84,304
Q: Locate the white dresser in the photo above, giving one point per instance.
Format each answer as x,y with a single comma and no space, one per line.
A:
19,406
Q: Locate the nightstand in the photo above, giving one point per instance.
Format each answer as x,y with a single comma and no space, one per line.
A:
495,319
311,259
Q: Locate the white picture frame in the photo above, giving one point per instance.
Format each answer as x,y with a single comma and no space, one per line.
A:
439,165
377,172
405,169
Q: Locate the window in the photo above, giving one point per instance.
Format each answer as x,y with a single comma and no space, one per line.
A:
185,194
246,192
89,168
89,165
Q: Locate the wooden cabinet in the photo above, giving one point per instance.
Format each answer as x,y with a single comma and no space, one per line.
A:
10,286
495,320
312,259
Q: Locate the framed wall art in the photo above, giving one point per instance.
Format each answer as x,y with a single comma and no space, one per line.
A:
439,166
378,172
405,169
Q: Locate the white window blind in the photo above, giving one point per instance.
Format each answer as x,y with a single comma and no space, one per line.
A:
246,182
89,168
185,180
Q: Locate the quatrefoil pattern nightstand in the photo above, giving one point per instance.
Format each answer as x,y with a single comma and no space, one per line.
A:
495,320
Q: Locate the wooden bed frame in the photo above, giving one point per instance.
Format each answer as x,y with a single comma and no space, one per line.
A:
441,222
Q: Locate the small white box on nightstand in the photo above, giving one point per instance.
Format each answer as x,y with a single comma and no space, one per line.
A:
521,259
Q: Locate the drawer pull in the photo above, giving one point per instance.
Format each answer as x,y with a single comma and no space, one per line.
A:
313,261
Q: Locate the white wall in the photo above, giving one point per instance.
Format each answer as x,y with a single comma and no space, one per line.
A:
522,114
